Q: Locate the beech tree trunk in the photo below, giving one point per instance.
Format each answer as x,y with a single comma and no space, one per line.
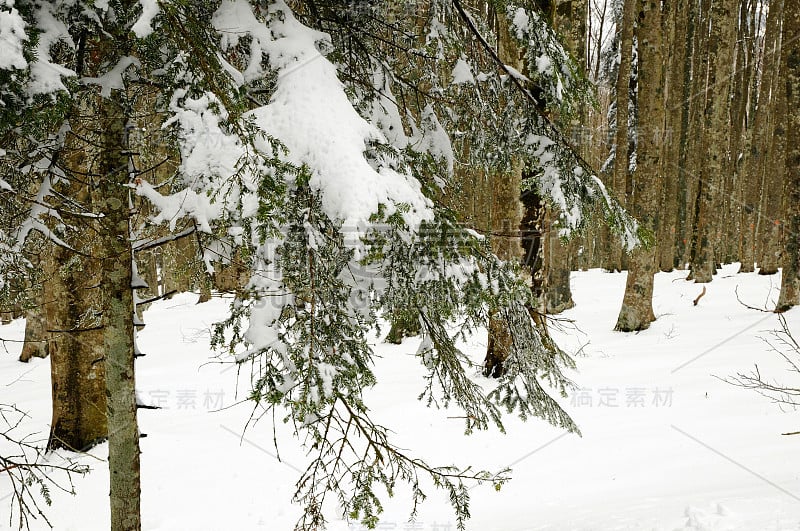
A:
716,165
35,345
71,312
790,73
505,217
558,294
506,220
622,139
772,187
674,83
637,304
76,352
754,211
570,22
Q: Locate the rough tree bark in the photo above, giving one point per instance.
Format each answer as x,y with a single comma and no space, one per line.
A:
772,185
717,165
71,310
35,345
570,23
621,137
114,204
756,154
637,304
790,72
505,217
674,84
506,220
76,352
123,449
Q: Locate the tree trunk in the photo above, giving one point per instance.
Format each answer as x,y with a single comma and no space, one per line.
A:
717,165
505,217
403,325
71,315
790,73
637,304
123,448
506,220
696,102
756,154
35,345
772,189
622,139
570,22
558,294
675,84
115,165
76,352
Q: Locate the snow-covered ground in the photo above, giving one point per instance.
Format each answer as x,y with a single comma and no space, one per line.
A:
666,445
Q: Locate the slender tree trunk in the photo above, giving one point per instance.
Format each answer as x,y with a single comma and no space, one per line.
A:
685,38
622,139
790,73
118,311
570,22
674,85
717,165
772,190
738,139
756,154
35,329
637,304
694,154
114,203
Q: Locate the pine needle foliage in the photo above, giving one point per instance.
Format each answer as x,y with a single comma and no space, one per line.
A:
427,98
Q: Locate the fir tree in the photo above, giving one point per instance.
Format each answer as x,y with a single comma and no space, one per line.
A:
316,149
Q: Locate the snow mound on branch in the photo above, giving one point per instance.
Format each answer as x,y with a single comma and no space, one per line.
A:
312,116
46,75
143,26
462,73
12,34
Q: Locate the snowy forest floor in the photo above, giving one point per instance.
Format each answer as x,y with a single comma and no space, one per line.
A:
666,444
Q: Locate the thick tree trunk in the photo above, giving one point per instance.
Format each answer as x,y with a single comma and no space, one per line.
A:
790,73
637,304
506,220
505,217
71,317
76,352
772,190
